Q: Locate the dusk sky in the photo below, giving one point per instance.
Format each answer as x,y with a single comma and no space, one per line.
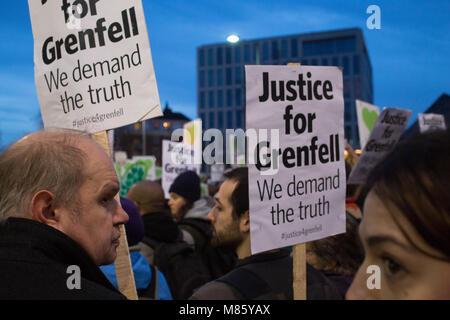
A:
409,54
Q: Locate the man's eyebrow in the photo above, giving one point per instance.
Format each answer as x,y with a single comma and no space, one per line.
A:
380,239
111,186
217,199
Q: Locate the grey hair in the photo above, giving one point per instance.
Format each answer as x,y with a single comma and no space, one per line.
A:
47,160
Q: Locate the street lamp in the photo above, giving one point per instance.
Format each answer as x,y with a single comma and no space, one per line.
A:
233,38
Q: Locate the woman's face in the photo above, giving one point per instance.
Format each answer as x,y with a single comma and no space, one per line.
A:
176,204
405,272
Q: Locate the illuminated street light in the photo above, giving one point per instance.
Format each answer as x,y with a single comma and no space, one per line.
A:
232,38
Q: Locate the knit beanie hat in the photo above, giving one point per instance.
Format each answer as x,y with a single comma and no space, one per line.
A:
187,185
135,225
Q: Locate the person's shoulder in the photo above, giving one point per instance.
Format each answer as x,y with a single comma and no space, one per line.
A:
214,290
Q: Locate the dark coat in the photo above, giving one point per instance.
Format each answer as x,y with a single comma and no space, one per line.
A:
34,261
265,276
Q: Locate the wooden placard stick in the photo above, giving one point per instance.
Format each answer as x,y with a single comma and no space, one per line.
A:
299,264
124,270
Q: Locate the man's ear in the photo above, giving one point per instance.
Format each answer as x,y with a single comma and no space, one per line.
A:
244,222
43,208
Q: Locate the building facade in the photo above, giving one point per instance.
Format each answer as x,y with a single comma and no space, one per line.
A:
145,138
221,83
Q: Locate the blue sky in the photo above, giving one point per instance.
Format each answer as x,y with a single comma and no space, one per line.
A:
409,54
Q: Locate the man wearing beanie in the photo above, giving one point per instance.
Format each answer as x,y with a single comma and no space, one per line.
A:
190,211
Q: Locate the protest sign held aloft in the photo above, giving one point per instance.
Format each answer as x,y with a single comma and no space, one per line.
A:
177,157
297,178
431,122
93,64
367,117
384,136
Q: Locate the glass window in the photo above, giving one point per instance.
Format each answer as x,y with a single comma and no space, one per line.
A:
237,54
304,62
247,54
347,112
317,47
201,57
238,97
344,45
202,116
219,56
324,62
294,48
265,52
238,75
211,120
228,55
275,53
229,98
210,56
345,66
335,61
220,120
239,119
357,87
284,49
202,99
346,89
211,99
314,62
211,78
229,120
220,98
256,53
201,80
355,64
220,77
228,77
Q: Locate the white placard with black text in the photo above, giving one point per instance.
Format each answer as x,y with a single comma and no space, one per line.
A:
296,176
93,64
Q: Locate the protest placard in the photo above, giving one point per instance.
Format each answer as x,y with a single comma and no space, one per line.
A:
177,157
93,64
134,170
384,136
431,122
192,136
297,175
367,115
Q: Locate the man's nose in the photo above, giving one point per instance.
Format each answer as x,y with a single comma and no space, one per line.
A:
120,217
211,216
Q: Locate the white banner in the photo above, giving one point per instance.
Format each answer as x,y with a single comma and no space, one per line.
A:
297,175
367,117
176,158
93,64
383,138
431,122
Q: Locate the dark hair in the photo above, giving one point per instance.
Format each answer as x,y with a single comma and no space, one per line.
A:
239,197
415,178
343,251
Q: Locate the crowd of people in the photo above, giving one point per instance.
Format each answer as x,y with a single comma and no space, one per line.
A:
59,208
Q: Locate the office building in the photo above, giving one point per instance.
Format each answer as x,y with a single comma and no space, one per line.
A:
221,83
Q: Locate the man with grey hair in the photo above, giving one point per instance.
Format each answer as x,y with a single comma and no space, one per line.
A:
59,219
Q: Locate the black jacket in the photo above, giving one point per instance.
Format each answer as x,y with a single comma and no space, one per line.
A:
265,276
34,261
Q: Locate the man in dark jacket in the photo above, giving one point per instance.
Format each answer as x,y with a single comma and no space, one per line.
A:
59,218
266,275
